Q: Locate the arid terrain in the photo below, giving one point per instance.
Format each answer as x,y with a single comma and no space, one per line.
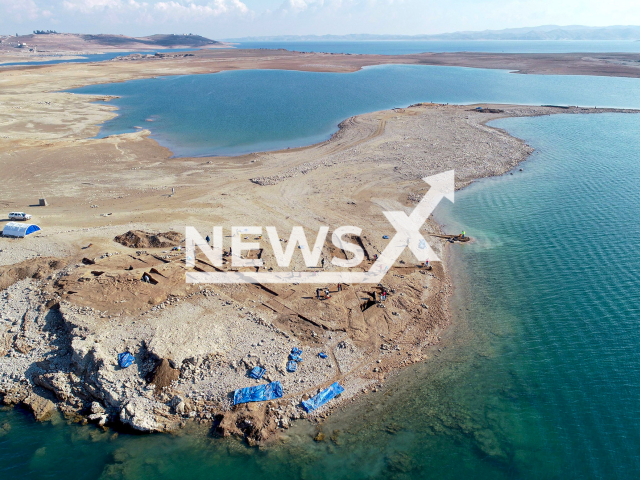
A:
73,297
65,46
216,56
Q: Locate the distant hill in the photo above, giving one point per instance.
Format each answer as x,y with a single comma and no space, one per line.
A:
47,41
167,41
545,32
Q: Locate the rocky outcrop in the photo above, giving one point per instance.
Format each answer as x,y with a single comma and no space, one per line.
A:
145,415
98,414
60,384
14,395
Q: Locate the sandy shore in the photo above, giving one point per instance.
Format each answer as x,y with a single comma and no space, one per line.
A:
73,297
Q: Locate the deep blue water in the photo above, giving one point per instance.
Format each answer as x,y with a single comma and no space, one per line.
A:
94,57
541,374
401,47
236,112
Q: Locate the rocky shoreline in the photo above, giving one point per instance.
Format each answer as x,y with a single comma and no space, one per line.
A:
58,356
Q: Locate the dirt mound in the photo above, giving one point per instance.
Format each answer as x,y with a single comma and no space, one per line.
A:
163,375
34,268
140,239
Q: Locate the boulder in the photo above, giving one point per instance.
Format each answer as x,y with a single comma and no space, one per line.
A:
100,418
178,405
42,408
139,414
97,408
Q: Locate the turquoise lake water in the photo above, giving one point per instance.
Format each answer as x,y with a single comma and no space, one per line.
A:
402,47
541,374
231,113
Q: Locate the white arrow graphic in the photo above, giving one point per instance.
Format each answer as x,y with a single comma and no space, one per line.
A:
407,235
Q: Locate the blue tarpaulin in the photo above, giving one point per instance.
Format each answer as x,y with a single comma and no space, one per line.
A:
296,351
257,372
259,393
323,397
125,359
292,366
322,355
295,358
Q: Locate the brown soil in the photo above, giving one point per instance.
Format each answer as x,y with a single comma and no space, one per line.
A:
114,285
36,268
163,375
140,239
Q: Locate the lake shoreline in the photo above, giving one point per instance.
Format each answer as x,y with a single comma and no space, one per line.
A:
217,59
67,323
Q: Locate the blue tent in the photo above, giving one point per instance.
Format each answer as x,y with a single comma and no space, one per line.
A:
259,393
125,359
292,366
257,372
323,397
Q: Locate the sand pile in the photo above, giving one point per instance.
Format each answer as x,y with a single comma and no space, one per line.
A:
140,239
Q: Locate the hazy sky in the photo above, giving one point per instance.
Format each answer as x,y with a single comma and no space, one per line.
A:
236,18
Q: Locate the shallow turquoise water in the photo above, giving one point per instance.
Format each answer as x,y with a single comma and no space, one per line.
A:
94,57
556,262
541,374
238,112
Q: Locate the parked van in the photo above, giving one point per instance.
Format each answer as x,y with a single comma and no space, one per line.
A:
19,216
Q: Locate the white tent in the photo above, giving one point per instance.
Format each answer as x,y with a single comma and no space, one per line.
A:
15,229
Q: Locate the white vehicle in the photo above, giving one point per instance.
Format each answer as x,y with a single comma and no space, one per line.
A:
19,216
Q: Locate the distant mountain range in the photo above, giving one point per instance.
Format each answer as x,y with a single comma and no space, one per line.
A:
545,32
53,41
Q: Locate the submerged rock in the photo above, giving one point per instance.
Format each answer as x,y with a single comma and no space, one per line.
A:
487,441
